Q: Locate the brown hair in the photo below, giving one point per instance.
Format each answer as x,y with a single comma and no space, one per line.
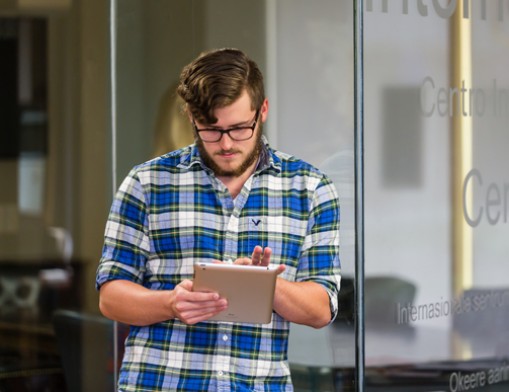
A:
216,79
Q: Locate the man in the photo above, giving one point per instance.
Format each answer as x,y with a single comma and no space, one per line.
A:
230,198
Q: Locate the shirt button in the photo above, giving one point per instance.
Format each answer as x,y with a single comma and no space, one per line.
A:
220,372
225,338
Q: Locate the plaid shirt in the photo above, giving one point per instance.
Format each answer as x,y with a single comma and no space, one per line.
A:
172,212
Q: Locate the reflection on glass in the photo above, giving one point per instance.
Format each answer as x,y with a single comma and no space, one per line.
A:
433,195
173,129
35,274
47,216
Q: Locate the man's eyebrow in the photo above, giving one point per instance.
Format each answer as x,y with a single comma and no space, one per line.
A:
242,123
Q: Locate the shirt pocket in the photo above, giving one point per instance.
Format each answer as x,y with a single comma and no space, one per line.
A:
252,232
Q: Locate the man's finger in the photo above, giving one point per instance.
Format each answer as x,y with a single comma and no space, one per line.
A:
256,257
267,253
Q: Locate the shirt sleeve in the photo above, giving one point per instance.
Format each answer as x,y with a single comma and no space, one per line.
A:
319,260
126,241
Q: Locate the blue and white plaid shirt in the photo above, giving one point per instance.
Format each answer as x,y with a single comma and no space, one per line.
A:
172,212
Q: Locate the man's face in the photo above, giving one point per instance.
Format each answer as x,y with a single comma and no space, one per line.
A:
227,157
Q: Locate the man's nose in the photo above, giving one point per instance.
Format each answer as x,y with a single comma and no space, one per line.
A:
226,141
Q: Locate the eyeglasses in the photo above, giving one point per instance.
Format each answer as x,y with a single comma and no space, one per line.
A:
238,134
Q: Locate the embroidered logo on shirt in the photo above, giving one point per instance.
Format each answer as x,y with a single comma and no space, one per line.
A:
256,222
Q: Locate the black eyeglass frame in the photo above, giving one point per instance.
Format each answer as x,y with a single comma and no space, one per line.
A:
227,131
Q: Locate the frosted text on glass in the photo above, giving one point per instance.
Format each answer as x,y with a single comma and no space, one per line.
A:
444,9
462,100
494,200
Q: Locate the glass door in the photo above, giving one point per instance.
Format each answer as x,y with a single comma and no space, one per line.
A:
305,50
436,195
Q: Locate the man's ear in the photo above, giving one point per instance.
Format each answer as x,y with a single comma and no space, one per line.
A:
264,110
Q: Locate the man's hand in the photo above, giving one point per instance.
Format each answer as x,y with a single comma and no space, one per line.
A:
191,307
259,257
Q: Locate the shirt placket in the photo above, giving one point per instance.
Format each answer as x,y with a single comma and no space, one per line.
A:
224,332
231,238
224,346
233,208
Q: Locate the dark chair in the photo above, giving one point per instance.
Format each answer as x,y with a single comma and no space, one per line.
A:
85,343
382,294
482,318
346,302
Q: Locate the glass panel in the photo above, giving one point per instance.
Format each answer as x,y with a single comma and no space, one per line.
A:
314,120
436,195
53,198
305,50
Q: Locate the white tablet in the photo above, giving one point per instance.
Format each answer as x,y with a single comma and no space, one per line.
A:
249,290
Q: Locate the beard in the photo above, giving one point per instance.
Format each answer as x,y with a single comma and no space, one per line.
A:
237,172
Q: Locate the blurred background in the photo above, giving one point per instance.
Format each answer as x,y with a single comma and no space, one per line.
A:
436,104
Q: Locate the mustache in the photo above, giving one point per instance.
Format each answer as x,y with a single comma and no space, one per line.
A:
221,152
